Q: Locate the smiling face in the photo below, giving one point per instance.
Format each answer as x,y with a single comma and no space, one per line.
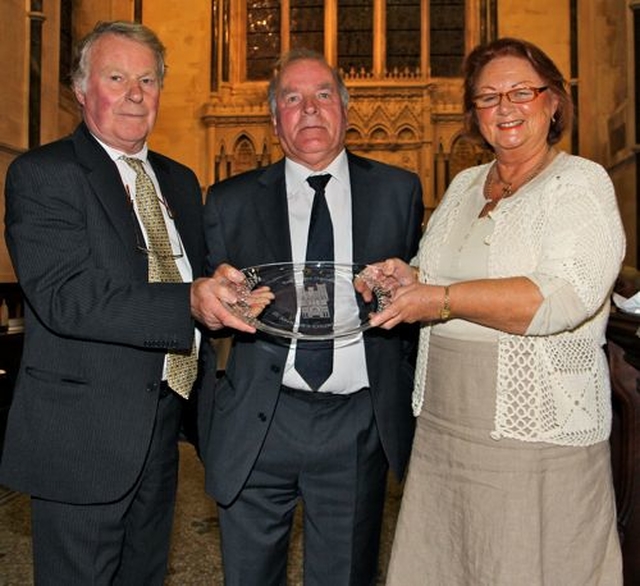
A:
121,93
508,127
310,119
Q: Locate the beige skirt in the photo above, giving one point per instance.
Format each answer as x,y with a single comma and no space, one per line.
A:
480,512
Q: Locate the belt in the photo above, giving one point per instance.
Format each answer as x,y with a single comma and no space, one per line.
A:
319,396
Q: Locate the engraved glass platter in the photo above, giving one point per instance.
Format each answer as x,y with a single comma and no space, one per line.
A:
313,300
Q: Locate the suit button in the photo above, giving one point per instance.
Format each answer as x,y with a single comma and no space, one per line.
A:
275,369
262,417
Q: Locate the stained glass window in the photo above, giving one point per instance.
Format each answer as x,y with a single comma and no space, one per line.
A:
355,35
403,35
307,24
263,37
447,19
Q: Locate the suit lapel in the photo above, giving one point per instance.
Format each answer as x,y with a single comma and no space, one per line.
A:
271,212
104,179
177,204
364,212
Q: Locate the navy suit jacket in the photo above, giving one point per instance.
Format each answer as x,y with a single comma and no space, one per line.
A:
96,331
246,223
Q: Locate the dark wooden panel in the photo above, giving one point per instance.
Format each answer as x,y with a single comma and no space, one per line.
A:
623,349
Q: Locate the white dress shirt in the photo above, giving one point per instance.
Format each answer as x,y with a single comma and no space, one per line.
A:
349,361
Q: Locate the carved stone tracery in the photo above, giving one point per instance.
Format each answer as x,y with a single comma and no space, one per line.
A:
403,125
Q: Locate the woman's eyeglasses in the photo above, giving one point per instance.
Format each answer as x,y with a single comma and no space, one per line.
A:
520,95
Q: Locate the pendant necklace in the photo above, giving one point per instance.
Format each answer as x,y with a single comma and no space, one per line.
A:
508,186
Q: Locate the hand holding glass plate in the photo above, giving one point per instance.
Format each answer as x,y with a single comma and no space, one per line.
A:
312,300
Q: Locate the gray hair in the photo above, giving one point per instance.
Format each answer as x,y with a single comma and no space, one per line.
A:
131,30
297,55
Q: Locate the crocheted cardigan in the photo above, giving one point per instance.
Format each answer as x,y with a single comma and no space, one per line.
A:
565,223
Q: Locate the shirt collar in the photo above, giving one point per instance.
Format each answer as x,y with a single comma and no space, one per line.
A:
297,174
115,154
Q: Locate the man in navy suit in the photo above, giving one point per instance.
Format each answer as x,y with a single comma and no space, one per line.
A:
270,438
93,429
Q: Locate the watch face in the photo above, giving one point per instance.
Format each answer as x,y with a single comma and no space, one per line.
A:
313,300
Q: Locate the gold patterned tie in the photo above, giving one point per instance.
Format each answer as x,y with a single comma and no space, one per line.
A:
181,367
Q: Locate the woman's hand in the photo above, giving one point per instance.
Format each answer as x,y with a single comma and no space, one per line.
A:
387,275
412,303
507,304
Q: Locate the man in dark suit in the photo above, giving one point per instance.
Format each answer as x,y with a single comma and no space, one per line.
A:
269,437
93,428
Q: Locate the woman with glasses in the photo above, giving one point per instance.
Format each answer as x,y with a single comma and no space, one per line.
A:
510,479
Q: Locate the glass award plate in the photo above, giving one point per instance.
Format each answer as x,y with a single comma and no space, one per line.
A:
313,300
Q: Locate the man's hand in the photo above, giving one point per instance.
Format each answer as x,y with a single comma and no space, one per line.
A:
211,296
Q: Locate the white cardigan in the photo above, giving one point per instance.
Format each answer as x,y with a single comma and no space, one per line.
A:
552,386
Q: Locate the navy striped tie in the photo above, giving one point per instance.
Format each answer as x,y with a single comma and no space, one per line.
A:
314,359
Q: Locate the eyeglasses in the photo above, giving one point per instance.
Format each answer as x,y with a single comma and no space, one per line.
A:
521,95
141,245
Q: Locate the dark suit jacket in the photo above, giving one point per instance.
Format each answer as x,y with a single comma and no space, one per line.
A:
95,331
246,223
